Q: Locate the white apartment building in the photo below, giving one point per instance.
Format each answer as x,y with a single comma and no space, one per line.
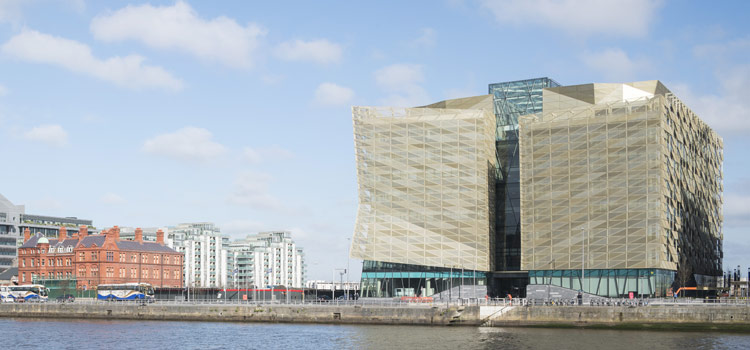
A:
266,259
149,234
205,253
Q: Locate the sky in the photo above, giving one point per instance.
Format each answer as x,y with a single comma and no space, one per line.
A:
144,114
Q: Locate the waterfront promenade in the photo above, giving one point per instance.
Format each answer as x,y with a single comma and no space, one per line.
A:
671,316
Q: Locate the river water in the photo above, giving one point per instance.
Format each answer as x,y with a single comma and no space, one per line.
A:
100,334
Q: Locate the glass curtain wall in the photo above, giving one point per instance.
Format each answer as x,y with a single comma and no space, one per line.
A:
609,282
511,101
389,280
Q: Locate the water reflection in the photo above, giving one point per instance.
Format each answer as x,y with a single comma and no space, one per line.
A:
83,334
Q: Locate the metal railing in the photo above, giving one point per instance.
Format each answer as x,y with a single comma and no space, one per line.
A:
592,302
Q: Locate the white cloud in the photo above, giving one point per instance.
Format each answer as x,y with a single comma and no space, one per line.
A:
50,134
189,143
112,198
258,155
736,205
3,91
330,94
427,39
251,189
128,71
179,27
630,18
402,84
318,51
728,110
45,204
614,64
10,10
243,227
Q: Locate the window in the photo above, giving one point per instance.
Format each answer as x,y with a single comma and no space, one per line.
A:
132,258
43,262
175,274
122,257
133,273
82,271
81,256
122,272
94,256
166,274
23,262
23,277
156,259
110,272
166,259
110,256
67,262
144,258
145,273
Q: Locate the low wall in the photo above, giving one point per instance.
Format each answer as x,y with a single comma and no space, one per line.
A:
705,317
349,314
658,317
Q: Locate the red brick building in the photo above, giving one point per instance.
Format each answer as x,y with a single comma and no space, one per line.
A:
99,259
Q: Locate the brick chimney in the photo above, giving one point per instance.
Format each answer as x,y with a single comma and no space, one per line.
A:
26,234
160,237
115,233
63,234
138,235
83,231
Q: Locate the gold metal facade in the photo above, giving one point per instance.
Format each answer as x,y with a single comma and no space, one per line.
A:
619,176
425,178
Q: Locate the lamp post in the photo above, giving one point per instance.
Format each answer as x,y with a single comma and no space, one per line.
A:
450,287
583,254
347,266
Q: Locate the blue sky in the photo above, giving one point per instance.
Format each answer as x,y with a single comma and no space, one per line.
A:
237,112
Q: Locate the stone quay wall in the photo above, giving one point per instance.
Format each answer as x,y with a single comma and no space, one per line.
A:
672,317
657,317
344,314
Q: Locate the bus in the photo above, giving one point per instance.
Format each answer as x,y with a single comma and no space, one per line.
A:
5,295
28,293
125,291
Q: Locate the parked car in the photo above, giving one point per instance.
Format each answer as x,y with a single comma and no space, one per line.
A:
66,298
324,299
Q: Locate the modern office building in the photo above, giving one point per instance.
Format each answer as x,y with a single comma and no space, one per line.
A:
622,182
266,259
460,193
14,220
426,179
205,250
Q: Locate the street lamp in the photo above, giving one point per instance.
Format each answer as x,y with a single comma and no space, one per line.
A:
347,266
583,254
